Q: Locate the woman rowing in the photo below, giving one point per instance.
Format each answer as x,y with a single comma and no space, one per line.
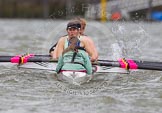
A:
73,59
91,46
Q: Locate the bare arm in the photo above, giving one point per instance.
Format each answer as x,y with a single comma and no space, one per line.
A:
90,48
59,48
93,48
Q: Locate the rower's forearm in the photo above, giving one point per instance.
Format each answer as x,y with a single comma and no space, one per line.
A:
94,55
54,55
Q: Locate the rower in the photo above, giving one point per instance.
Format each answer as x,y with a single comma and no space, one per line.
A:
73,56
91,49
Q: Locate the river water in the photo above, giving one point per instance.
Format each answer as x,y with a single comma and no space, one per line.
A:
36,91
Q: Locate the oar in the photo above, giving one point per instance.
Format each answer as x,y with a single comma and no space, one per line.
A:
100,60
46,55
122,63
24,59
138,61
138,66
133,64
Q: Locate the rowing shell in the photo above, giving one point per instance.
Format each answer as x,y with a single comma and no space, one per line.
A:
72,77
51,66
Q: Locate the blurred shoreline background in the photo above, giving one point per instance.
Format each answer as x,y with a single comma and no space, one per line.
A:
104,10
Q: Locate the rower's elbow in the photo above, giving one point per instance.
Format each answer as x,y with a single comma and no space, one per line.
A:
54,56
94,58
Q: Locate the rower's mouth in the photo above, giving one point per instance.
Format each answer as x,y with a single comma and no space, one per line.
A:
72,35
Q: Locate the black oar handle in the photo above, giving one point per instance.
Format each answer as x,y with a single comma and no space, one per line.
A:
40,59
111,64
29,59
5,58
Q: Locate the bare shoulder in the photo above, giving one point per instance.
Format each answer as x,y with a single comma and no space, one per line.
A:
62,39
87,39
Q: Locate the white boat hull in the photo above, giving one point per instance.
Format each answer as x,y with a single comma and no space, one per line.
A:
76,78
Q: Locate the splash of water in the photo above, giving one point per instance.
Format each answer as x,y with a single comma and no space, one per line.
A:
129,43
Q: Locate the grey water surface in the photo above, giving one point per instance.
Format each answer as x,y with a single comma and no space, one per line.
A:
37,91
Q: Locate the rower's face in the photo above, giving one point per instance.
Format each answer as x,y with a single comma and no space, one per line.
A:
73,32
